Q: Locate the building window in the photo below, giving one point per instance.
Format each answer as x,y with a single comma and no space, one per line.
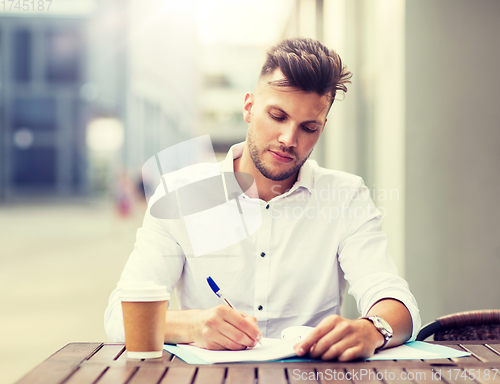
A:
35,167
21,55
36,114
63,50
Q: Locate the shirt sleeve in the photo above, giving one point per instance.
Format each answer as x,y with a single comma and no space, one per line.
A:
367,266
157,258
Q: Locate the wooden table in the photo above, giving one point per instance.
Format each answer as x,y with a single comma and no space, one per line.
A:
104,363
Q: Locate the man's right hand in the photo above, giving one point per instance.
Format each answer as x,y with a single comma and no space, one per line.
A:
217,328
222,327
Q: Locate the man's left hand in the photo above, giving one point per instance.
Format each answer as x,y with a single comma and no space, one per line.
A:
342,339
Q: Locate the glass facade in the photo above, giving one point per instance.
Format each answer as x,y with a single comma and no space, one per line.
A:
43,150
21,55
63,50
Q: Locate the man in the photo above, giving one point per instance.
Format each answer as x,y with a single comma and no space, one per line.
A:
319,228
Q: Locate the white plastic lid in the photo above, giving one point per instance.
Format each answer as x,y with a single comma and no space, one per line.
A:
144,355
144,292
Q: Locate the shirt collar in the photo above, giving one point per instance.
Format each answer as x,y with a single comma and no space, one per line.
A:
305,178
235,152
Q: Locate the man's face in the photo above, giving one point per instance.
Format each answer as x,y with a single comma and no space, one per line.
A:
284,126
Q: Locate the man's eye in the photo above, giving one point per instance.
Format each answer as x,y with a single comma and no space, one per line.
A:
277,118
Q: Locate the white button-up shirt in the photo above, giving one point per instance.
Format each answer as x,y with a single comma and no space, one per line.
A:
291,270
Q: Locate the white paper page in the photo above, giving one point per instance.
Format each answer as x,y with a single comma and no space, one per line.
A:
271,349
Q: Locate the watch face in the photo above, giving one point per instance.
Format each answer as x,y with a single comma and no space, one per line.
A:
385,324
384,327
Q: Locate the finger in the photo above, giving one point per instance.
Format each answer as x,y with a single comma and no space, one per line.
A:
242,313
348,354
228,337
305,346
248,317
245,325
252,329
253,321
232,345
324,327
219,329
337,337
334,351
210,344
251,318
213,337
237,329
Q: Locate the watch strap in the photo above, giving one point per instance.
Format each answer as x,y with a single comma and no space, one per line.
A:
385,330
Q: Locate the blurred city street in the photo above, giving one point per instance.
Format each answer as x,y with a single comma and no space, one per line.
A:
58,264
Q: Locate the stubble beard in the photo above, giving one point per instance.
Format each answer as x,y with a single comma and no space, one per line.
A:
256,157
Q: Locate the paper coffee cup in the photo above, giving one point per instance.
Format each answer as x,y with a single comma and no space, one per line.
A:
144,309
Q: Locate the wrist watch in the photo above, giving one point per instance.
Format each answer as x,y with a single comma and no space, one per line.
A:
383,327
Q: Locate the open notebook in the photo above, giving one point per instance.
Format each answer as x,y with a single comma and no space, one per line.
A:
279,349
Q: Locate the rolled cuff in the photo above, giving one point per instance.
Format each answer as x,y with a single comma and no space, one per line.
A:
407,300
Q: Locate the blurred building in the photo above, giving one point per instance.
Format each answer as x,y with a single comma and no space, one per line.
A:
163,79
89,91
229,72
42,113
59,69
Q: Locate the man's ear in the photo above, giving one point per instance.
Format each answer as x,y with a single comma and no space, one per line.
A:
247,107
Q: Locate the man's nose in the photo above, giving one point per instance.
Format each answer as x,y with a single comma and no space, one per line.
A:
288,136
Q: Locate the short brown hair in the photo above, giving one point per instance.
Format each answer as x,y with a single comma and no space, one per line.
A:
308,65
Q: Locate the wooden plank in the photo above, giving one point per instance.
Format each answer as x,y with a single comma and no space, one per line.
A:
437,361
366,375
87,363
179,375
167,357
301,374
86,374
465,342
108,353
332,374
122,358
484,374
274,375
210,375
177,362
60,365
462,360
117,375
75,352
422,376
454,375
482,352
494,347
240,375
392,375
147,375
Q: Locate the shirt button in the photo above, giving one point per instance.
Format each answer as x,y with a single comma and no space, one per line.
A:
262,254
260,307
267,206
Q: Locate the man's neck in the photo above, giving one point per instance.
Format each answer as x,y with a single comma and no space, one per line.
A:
267,189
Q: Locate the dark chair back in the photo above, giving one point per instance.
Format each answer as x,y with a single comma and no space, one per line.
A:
471,325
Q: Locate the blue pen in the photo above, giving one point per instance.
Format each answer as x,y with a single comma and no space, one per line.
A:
218,292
